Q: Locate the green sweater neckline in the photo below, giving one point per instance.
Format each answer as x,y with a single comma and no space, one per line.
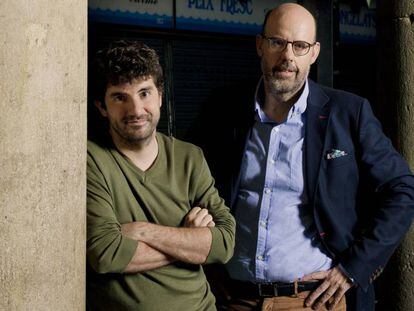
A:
143,175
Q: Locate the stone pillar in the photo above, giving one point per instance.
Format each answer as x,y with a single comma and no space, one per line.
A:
42,153
396,93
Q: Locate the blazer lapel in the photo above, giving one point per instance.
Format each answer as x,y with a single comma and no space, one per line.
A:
317,118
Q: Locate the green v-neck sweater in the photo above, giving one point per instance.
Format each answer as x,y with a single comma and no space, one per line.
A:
118,192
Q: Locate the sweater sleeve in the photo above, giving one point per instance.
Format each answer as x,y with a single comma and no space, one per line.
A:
107,250
207,196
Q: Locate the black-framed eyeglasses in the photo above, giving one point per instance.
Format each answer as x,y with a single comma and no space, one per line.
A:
299,48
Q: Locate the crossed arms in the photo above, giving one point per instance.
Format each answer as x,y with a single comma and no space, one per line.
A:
161,245
121,236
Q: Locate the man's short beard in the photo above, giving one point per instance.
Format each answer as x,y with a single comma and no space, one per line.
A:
280,86
130,138
277,86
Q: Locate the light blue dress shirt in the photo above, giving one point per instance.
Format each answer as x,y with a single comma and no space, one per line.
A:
276,238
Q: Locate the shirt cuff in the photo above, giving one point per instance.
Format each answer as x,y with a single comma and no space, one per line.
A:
350,278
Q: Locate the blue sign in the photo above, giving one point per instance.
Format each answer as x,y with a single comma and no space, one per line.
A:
151,13
357,27
228,16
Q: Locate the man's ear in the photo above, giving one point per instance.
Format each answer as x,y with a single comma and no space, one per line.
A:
315,52
101,108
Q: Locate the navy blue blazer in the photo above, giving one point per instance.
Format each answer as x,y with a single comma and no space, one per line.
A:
361,189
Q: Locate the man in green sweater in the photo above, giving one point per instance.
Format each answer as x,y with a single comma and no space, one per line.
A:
154,215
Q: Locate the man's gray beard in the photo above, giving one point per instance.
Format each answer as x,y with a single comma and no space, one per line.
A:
285,86
281,86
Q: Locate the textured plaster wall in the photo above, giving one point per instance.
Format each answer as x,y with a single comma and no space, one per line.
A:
42,153
396,90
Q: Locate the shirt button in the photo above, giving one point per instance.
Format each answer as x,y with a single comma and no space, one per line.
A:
267,190
272,161
276,129
263,223
260,257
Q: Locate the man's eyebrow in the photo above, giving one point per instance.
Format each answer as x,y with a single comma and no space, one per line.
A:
116,93
146,88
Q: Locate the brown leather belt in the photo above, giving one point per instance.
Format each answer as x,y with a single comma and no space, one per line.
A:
275,289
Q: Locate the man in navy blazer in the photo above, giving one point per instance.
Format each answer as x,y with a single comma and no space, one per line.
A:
320,196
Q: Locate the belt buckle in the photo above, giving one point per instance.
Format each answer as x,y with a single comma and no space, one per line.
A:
264,290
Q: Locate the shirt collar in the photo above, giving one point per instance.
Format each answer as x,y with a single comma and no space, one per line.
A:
298,108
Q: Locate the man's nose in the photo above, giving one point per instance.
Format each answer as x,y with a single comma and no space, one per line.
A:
287,53
136,106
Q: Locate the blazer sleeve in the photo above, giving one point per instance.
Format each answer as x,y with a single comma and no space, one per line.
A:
392,216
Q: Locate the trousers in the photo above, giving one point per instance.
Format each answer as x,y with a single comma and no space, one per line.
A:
282,303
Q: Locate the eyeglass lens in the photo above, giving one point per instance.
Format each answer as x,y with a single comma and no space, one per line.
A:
299,47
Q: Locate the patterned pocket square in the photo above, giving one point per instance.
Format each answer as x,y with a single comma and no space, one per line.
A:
335,153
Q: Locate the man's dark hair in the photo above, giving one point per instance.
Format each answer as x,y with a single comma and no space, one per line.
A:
122,62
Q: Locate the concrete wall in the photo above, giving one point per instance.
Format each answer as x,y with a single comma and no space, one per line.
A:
396,92
42,153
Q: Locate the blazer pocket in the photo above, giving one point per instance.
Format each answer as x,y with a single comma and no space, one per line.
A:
339,161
